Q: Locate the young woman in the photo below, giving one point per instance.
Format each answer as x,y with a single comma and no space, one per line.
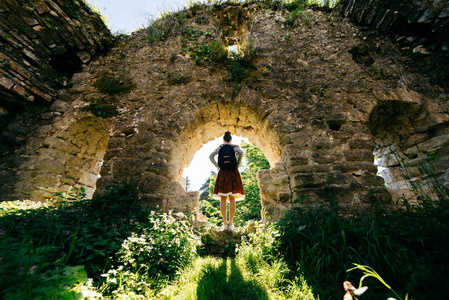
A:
228,185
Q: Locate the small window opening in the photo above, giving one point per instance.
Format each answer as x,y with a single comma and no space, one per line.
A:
334,125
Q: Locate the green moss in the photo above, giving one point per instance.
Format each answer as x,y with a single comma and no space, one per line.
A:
71,8
101,110
177,78
113,85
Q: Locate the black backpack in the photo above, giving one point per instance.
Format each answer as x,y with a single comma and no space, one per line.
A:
226,158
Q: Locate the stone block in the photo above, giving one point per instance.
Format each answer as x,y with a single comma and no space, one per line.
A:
60,144
322,156
341,135
309,169
113,153
73,174
300,181
127,168
356,167
339,178
118,142
50,165
88,179
41,179
75,161
67,181
297,161
359,155
354,129
59,106
153,201
151,183
371,180
160,167
358,144
103,183
434,143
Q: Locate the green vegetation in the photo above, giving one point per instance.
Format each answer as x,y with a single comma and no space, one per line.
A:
72,8
248,209
255,273
101,110
48,251
112,247
113,85
407,247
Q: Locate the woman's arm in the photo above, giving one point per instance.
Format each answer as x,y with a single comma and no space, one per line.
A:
212,157
239,153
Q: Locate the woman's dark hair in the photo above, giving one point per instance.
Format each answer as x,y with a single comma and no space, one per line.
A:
227,137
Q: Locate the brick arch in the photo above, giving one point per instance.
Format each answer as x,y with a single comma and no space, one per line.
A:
212,121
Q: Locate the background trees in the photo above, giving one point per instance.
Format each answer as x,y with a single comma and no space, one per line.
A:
248,209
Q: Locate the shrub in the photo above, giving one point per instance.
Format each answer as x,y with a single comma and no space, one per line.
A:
153,256
325,245
101,110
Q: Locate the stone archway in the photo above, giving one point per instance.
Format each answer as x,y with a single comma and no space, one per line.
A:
70,156
411,144
212,121
153,161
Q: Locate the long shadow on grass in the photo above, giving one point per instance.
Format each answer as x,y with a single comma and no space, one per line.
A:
215,284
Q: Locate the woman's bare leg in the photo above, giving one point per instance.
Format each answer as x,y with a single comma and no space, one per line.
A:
231,208
224,209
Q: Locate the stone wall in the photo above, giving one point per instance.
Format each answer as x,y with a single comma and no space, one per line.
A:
320,99
412,136
44,42
419,27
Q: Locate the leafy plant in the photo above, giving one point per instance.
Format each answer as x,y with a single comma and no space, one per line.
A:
177,78
319,240
369,272
101,110
153,256
111,85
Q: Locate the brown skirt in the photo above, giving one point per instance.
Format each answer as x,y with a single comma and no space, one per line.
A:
229,183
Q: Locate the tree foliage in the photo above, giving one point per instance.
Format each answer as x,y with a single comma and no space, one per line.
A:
248,209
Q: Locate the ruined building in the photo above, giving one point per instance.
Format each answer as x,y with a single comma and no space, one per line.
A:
320,93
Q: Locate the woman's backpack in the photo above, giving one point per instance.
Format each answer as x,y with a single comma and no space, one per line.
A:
226,158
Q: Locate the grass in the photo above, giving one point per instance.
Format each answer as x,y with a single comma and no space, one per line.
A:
112,247
255,273
408,248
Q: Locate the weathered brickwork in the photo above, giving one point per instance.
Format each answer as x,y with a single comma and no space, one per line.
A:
43,42
322,98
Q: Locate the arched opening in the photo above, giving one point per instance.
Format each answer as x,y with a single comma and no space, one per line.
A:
71,158
211,122
201,175
411,149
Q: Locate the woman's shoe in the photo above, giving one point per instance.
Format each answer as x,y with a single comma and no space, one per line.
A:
230,227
